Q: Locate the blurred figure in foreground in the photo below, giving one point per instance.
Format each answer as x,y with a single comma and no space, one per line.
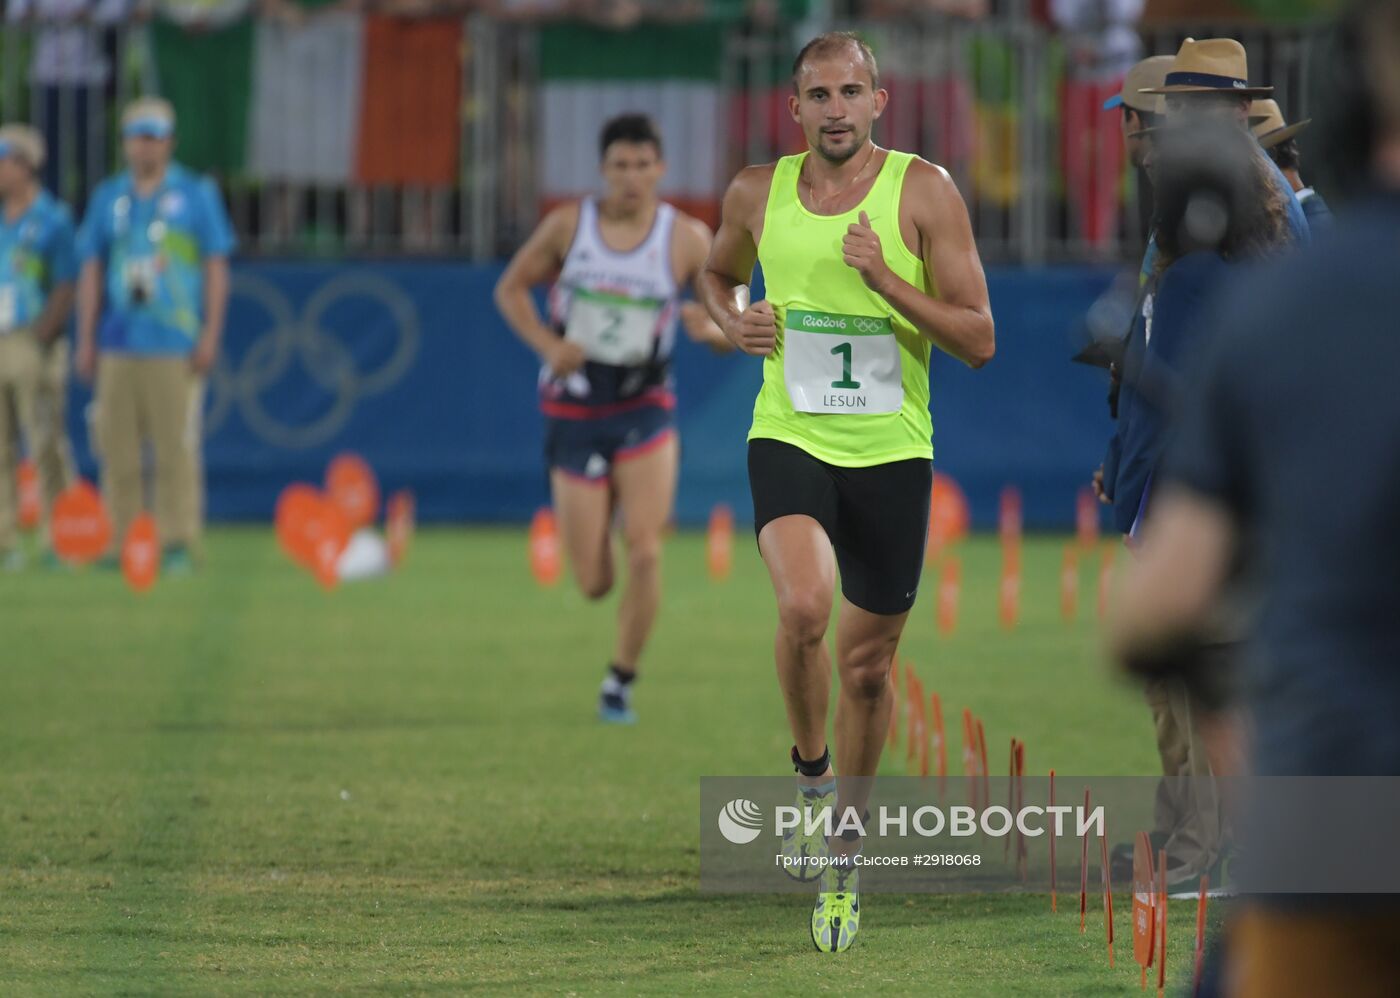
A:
1288,448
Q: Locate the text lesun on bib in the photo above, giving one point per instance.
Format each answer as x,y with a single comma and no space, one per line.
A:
841,363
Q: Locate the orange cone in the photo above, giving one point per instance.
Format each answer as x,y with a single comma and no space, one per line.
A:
719,542
31,504
79,526
141,554
1069,583
949,594
546,563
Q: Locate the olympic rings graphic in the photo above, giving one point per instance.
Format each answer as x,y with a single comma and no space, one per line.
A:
323,358
868,325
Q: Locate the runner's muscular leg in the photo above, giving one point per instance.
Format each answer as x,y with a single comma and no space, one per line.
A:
803,569
584,510
646,491
865,646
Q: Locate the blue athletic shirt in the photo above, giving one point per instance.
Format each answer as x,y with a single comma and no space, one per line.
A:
36,255
155,245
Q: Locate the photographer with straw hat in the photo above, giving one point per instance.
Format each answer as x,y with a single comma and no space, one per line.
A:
1280,140
37,271
1209,80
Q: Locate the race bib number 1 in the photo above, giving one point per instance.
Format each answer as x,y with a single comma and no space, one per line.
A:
613,329
841,363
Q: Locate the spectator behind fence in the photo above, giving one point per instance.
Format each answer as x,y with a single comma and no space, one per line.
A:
1287,453
1279,140
154,247
203,50
37,270
70,73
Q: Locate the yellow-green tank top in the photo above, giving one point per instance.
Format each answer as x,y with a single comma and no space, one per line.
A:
839,319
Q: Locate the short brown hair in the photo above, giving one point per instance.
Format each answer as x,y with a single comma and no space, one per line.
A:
831,42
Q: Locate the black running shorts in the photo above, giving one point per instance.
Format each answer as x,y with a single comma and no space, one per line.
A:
876,517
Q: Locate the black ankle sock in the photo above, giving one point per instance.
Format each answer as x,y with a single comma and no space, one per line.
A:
623,676
814,768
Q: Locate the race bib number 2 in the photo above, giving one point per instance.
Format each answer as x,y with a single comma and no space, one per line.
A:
613,329
841,363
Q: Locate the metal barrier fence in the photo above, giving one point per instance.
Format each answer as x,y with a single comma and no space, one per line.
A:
1011,108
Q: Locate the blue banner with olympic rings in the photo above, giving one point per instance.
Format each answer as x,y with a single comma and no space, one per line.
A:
409,365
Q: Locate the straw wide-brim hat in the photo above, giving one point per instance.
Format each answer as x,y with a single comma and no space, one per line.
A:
1268,126
1151,72
1210,66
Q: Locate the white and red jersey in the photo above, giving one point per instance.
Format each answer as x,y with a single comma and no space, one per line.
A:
622,308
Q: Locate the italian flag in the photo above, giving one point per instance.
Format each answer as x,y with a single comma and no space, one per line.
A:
589,75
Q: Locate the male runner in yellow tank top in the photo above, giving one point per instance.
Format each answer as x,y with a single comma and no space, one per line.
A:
868,262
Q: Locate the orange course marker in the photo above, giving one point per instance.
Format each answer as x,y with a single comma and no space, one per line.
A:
949,594
719,542
353,487
1084,871
1022,852
141,553
327,534
969,757
1010,797
1200,935
1107,893
948,516
1009,609
546,561
79,527
1054,906
1144,905
31,503
1086,518
940,745
1162,922
399,522
1106,558
1069,583
984,769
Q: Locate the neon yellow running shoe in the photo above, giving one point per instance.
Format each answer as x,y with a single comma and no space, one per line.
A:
836,918
805,855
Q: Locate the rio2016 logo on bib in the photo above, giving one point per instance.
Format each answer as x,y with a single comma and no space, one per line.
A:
841,363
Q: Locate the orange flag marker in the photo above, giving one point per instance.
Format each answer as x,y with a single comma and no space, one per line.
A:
141,553
940,745
546,560
1144,905
1106,558
1084,871
969,757
949,594
1107,894
1069,583
31,503
893,739
719,542
1054,905
1086,518
1200,935
399,523
1162,923
984,769
79,528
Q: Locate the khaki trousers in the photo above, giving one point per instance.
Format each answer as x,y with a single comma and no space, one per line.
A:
155,401
1188,808
51,450
20,365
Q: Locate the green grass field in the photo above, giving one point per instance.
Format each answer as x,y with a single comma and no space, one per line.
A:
239,783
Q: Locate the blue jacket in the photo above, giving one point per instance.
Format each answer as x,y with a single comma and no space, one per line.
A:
1164,338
